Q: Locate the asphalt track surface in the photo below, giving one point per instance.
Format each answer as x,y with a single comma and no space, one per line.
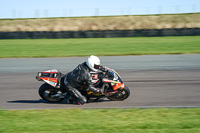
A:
154,81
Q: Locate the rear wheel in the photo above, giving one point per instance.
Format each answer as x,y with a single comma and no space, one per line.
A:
120,95
47,92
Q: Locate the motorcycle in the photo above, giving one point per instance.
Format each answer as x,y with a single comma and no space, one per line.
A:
53,88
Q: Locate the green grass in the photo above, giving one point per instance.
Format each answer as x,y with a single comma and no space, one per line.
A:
98,46
101,121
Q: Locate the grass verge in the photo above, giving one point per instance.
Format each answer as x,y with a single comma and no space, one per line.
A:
99,46
161,120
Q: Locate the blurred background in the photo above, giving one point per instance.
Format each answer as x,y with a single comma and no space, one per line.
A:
78,15
12,9
74,12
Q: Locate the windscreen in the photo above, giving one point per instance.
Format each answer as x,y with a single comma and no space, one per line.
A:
115,76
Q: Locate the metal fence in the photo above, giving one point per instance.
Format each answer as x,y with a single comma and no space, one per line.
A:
12,14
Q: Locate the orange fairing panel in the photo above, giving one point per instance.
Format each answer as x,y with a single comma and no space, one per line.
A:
118,85
51,81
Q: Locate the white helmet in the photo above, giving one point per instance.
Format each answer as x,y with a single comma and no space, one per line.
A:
93,62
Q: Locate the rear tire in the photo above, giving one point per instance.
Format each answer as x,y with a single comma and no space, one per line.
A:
121,95
45,91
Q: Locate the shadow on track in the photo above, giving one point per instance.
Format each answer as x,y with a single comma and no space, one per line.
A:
63,102
28,101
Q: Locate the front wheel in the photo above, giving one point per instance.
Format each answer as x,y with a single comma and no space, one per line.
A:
47,92
120,95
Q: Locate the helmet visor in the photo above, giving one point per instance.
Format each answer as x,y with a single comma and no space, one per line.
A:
96,66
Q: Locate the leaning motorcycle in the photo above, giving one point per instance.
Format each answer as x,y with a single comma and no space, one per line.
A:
53,88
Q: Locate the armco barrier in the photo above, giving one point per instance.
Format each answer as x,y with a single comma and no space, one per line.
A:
101,34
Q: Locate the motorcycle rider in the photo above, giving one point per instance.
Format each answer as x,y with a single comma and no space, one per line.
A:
80,76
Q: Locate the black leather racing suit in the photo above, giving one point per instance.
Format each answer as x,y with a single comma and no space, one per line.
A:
77,78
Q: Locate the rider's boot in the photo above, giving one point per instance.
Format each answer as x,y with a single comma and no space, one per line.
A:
78,97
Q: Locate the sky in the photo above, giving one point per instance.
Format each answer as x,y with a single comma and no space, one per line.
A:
76,8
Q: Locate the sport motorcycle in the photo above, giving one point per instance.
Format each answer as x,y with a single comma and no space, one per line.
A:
53,89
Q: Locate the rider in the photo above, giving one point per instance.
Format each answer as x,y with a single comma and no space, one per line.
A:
80,76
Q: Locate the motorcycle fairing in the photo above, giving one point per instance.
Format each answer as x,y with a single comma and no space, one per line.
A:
53,83
49,76
115,84
118,85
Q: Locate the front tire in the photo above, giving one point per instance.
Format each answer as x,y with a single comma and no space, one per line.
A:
120,95
46,91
